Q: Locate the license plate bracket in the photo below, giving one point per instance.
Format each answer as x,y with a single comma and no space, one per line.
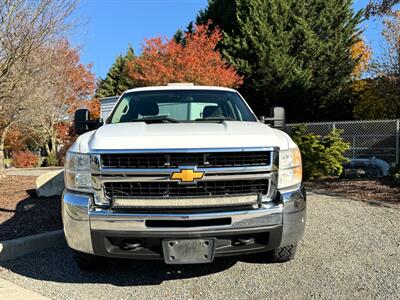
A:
188,251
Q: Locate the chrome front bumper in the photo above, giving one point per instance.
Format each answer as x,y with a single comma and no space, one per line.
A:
81,220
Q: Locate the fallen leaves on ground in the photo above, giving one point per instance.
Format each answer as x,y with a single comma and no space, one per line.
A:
370,190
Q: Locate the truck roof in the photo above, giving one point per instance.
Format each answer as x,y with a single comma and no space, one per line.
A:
180,87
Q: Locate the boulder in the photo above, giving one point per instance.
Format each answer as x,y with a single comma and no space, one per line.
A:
50,184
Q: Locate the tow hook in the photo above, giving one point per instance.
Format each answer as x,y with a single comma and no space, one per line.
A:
132,246
244,240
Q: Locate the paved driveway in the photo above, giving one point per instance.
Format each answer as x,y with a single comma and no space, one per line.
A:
350,250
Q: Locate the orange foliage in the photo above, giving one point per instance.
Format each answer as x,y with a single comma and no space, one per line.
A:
64,132
15,140
25,159
94,107
73,82
361,52
198,61
73,85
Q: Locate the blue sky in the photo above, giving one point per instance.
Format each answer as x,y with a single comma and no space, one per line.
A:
114,24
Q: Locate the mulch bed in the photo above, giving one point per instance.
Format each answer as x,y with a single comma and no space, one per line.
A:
378,191
22,213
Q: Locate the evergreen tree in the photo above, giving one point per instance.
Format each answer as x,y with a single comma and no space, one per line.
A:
117,80
180,35
294,53
222,13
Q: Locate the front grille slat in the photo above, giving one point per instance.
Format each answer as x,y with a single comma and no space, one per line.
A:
202,160
176,190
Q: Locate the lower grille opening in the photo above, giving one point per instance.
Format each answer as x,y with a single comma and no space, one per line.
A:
188,223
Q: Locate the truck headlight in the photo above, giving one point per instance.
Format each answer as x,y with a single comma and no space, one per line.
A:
290,168
77,172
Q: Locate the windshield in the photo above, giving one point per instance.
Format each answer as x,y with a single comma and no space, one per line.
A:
181,106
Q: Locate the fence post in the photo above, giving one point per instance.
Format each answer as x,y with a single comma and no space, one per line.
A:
397,140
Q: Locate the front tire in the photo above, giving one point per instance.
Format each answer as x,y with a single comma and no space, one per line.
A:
282,254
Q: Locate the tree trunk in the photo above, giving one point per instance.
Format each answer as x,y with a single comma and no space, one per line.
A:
46,146
2,143
51,149
53,144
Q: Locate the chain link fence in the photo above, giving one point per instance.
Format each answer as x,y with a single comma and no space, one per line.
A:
379,138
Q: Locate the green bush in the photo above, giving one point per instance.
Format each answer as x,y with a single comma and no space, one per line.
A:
321,156
52,160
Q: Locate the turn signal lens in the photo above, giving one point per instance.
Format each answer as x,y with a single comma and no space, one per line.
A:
290,168
77,172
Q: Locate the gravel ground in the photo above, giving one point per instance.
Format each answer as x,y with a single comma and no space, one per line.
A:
351,249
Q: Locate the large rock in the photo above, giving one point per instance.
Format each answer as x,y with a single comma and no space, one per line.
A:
50,184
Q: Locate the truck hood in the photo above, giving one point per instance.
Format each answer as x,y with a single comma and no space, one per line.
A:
141,136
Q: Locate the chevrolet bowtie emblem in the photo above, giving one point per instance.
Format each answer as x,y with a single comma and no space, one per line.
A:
187,175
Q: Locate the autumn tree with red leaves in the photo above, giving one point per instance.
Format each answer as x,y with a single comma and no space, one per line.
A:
59,85
93,106
64,84
15,140
198,61
25,28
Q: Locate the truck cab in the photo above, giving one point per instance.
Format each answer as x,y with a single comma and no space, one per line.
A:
182,174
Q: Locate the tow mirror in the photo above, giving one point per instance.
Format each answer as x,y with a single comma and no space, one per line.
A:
277,119
82,122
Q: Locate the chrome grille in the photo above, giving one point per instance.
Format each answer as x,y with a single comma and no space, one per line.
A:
176,190
142,178
201,160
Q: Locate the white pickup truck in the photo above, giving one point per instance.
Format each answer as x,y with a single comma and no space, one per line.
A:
184,174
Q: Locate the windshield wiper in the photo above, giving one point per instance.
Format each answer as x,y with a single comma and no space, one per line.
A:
156,119
214,119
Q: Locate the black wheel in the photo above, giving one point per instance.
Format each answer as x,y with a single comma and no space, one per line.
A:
86,261
282,254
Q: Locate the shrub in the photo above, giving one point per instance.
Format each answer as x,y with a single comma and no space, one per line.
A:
321,156
25,159
52,160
